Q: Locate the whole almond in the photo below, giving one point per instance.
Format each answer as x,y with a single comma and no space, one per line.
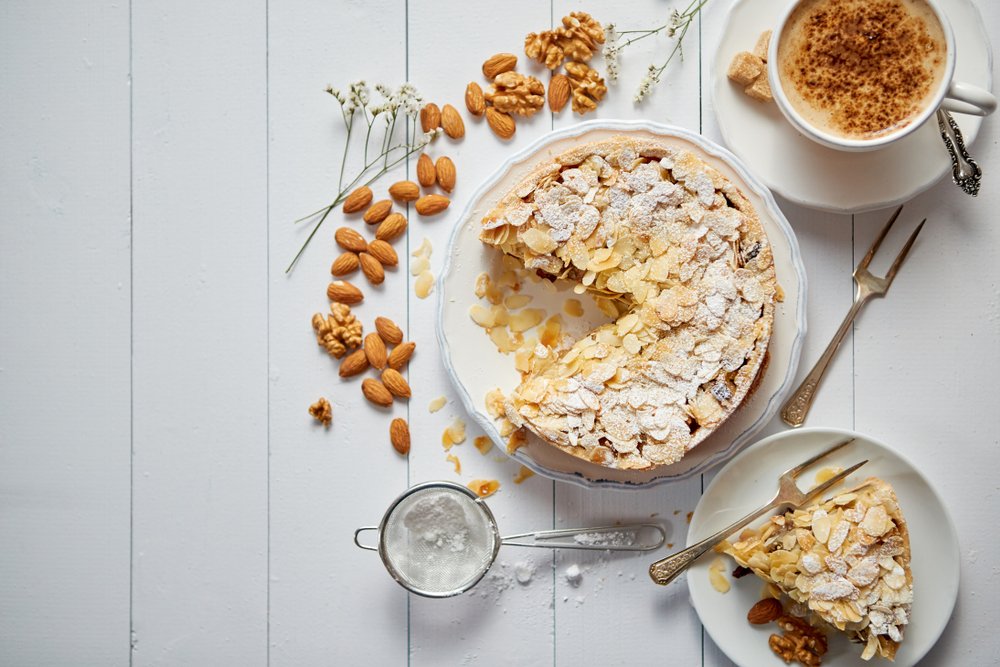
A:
388,330
498,64
404,191
399,435
445,170
378,211
475,102
451,122
358,200
375,351
376,392
341,291
395,383
372,268
383,252
391,227
346,263
558,92
432,204
354,364
765,611
501,123
430,117
348,239
425,170
400,355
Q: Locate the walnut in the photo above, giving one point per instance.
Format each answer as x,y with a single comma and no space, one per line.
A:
339,331
577,39
587,86
800,642
516,93
322,412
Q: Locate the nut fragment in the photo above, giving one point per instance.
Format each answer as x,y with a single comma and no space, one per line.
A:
517,94
576,39
376,392
454,434
372,268
378,211
764,611
400,355
425,171
423,285
474,100
344,264
391,227
484,487
587,86
341,291
430,117
354,364
432,204
383,252
716,576
445,170
498,64
559,91
375,351
322,412
800,642
395,383
523,473
358,200
451,122
483,444
404,191
437,404
501,123
339,331
399,435
348,239
388,330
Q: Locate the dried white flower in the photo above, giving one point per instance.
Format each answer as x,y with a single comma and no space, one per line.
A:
651,79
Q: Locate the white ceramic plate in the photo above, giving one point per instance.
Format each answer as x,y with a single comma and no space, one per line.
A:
750,480
476,367
812,175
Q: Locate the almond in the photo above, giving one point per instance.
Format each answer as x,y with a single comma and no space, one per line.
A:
558,92
425,171
430,117
395,383
383,252
346,263
445,170
358,200
388,330
474,100
354,364
348,239
498,64
376,392
404,191
372,268
341,291
451,122
765,611
375,351
399,435
501,123
378,211
400,355
432,204
391,227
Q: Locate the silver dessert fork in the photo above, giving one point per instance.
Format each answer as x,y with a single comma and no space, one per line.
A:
789,495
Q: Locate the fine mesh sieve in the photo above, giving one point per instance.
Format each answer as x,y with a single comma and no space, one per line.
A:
438,539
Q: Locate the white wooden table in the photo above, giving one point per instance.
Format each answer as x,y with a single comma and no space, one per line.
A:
164,497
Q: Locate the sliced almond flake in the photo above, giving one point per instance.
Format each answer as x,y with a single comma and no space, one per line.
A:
437,403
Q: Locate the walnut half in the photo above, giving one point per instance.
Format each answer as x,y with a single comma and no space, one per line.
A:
576,39
517,94
587,86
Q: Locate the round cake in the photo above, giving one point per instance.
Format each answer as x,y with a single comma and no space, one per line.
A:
679,250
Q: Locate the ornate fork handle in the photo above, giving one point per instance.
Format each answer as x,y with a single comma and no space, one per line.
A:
964,170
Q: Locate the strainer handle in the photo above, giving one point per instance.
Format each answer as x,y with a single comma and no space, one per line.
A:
358,532
584,538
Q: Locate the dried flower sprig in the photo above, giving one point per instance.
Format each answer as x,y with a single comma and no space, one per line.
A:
675,28
400,106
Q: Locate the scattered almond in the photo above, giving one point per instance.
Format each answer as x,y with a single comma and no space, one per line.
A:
388,330
383,252
391,227
716,576
376,392
765,611
430,117
375,351
523,473
378,211
346,263
348,239
372,268
425,171
454,434
484,487
451,122
501,123
399,435
474,100
559,92
354,364
423,285
395,383
437,404
452,459
400,355
483,444
404,191
445,170
358,200
431,204
341,291
498,64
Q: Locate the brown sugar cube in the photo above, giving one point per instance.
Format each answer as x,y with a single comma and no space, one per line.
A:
745,68
763,42
760,89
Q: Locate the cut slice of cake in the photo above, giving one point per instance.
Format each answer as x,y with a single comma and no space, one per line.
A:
846,561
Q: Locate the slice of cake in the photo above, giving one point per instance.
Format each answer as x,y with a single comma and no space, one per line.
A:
846,561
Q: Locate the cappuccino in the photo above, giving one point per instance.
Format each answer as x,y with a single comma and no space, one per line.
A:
861,69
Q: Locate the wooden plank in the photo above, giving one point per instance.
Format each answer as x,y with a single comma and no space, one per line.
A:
200,325
64,344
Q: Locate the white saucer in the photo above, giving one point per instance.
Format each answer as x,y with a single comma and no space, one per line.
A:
750,480
476,367
812,175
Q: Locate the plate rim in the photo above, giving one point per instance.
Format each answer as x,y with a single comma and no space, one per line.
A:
754,183
952,530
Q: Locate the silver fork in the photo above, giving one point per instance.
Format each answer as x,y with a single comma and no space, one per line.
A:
795,409
789,495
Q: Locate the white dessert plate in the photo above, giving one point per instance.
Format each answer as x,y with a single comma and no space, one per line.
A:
476,367
750,480
812,175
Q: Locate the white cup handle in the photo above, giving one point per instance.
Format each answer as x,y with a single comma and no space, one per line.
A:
968,99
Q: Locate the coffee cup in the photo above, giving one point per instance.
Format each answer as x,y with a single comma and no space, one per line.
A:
858,75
